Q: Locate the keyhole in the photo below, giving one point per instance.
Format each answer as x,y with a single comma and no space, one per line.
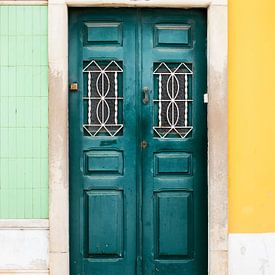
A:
143,144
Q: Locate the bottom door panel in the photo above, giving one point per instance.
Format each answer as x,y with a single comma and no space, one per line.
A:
105,224
173,224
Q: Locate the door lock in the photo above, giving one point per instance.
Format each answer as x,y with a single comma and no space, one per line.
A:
145,95
143,145
74,87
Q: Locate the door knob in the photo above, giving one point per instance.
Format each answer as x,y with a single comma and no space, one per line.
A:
145,95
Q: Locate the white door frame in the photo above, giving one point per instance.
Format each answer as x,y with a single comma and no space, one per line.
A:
217,125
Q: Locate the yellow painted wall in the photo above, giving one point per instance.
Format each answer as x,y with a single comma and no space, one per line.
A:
251,116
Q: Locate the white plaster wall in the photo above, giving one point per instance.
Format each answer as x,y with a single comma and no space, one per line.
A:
23,249
252,254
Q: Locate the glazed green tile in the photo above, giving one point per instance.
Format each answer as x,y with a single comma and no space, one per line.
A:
43,50
44,203
4,141
4,16
12,173
26,132
12,143
12,50
4,50
12,21
12,80
44,142
20,107
36,50
12,112
36,112
28,171
19,173
9,179
1,49
44,22
4,109
44,111
36,173
20,143
36,142
4,173
20,203
4,201
28,111
20,19
36,81
44,80
4,85
36,21
28,213
28,75
27,82
12,201
36,194
44,173
20,50
27,57
28,51
20,91
28,143
28,21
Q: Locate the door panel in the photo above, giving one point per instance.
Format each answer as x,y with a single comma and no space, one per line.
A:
103,143
138,144
105,214
173,215
174,127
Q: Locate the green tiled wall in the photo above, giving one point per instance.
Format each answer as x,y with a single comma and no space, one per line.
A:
23,112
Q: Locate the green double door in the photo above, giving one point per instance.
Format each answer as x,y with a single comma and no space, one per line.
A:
138,142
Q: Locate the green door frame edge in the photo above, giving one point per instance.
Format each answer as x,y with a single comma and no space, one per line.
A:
58,125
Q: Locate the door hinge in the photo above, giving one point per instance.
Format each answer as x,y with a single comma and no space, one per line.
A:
205,98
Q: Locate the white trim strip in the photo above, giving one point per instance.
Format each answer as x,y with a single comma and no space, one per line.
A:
25,271
135,4
24,224
23,3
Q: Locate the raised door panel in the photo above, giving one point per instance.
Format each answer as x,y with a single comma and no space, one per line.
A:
174,224
105,223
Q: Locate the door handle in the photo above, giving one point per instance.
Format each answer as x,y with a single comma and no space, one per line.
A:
145,95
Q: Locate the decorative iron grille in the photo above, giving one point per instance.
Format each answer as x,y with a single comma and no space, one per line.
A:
103,99
172,102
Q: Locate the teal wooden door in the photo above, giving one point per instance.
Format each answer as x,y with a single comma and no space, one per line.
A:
138,142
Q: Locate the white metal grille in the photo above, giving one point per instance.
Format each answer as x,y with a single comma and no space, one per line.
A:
103,99
172,100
